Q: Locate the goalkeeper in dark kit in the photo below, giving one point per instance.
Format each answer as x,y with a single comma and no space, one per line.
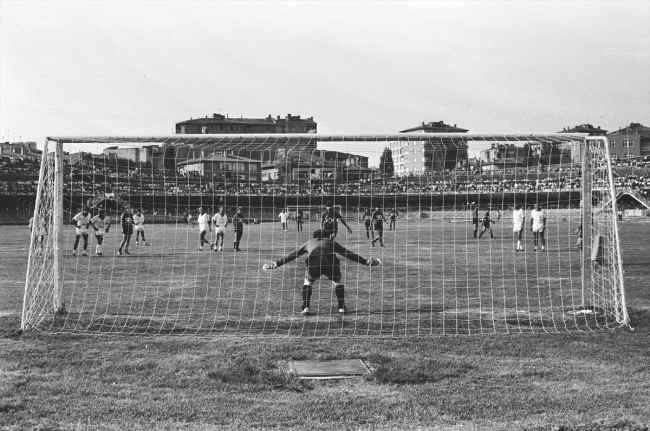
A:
321,259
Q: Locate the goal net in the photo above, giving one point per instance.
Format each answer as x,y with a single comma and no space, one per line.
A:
297,235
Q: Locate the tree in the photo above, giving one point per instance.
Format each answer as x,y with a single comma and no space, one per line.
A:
386,165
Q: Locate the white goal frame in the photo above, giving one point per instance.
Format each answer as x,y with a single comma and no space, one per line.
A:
34,312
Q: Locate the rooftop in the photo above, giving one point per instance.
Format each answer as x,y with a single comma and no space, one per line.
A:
224,119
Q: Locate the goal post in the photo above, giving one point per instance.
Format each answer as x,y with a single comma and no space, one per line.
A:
176,235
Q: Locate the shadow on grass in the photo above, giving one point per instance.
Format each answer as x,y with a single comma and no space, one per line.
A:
601,426
259,375
410,371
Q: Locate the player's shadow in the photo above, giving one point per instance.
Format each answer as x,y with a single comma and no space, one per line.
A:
373,312
405,310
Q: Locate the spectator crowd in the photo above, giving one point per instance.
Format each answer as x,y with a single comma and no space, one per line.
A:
20,177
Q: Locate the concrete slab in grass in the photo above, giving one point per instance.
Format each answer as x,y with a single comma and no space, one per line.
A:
338,369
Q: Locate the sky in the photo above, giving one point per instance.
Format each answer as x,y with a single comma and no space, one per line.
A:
138,68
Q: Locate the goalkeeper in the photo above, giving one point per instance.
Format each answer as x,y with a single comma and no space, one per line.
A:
321,259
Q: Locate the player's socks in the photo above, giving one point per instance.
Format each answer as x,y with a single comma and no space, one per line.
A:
340,296
306,296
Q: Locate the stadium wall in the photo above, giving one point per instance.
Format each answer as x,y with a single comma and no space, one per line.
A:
17,208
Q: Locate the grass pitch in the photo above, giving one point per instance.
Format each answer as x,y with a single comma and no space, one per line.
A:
573,381
435,279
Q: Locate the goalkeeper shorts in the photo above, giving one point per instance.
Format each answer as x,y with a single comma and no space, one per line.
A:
318,265
82,231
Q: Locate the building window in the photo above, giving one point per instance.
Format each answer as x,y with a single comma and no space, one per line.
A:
612,144
414,159
628,143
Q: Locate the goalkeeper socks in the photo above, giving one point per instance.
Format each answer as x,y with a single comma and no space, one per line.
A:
340,295
306,295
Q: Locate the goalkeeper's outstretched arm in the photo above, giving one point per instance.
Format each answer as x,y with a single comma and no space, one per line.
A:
288,258
338,248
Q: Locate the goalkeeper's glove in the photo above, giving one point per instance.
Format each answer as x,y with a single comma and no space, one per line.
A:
373,262
271,265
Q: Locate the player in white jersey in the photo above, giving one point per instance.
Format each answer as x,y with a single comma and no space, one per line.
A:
81,222
220,221
101,223
138,219
38,232
518,222
283,219
204,226
538,225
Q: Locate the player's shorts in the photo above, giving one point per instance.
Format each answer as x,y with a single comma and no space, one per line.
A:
139,227
379,226
220,230
538,227
367,223
516,227
127,230
82,231
318,265
100,232
475,222
331,227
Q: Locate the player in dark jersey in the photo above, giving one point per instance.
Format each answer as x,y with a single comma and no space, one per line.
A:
487,223
238,222
378,220
392,214
473,211
330,220
299,220
321,259
367,221
127,230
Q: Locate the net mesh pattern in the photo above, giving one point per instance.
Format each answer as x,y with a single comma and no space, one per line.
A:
443,271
